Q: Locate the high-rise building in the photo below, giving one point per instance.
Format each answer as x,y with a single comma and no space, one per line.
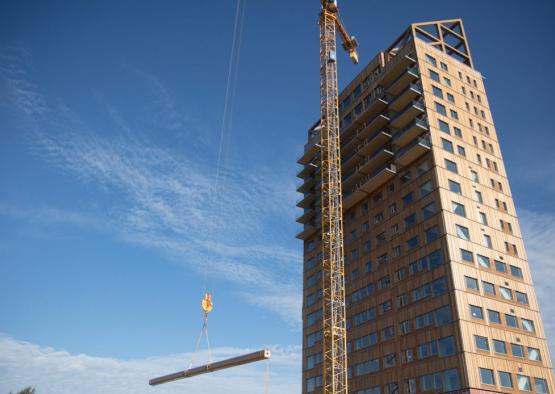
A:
438,287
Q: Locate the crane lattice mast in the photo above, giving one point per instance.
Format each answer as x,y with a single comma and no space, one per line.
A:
333,288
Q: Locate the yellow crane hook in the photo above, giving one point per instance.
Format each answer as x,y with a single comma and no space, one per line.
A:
206,303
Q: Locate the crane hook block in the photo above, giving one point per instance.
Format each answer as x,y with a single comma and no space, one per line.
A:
206,303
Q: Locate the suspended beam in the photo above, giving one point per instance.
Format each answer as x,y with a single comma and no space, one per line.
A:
229,363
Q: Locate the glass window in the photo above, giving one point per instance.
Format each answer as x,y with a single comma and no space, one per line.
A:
433,75
440,109
451,380
478,196
455,187
517,350
407,199
437,91
481,342
541,385
461,151
499,346
430,59
446,346
412,243
489,288
467,256
523,383
511,321
443,126
487,241
506,293
410,220
447,81
458,131
450,97
534,354
521,298
444,66
486,376
429,210
390,360
462,232
454,114
494,316
500,267
432,234
471,283
515,271
476,312
426,188
505,379
483,218
447,145
483,261
451,166
528,325
458,209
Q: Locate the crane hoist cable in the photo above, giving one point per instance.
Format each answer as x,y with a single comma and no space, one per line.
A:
207,306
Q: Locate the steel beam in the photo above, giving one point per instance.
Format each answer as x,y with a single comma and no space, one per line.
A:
229,363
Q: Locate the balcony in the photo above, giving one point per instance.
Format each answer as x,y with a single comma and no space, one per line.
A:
410,132
373,142
396,66
378,104
308,213
413,151
354,196
306,200
308,184
310,149
378,177
412,92
376,123
307,170
309,229
412,110
397,86
350,178
379,157
349,160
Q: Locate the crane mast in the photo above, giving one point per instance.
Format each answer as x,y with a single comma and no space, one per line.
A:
333,286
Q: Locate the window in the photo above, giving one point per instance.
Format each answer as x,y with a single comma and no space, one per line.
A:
455,187
478,196
494,316
487,241
483,218
366,341
450,97
444,66
483,261
446,81
443,126
511,321
541,385
461,151
365,226
500,267
404,327
410,386
437,91
310,246
516,272
387,333
499,346
313,360
486,376
451,166
521,298
391,388
313,383
390,360
410,220
467,256
458,132
447,145
474,176
517,350
462,232
429,210
312,339
454,114
440,109
407,199
528,325
523,383
433,75
412,243
489,288
505,379
534,354
471,283
476,312
506,293
366,247
313,317
458,209
481,342
367,367
446,346
432,234
430,59
426,188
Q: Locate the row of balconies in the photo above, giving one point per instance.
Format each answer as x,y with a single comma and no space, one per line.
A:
388,136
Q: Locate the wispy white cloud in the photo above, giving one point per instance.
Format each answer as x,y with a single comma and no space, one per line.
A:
164,198
53,371
538,229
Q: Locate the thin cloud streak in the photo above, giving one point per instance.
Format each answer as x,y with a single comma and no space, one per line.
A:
53,371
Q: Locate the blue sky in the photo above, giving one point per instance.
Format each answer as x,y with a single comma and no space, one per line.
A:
110,122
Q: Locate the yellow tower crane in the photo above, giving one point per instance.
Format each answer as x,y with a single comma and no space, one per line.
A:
333,286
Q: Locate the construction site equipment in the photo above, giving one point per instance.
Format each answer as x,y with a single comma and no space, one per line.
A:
333,281
229,363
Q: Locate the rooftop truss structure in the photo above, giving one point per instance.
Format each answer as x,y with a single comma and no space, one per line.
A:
447,36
